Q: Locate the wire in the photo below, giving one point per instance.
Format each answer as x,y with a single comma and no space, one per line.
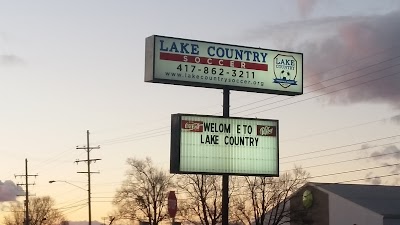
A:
321,82
334,130
343,146
357,170
124,138
138,135
362,179
69,207
325,93
69,204
66,213
151,136
348,160
242,193
326,87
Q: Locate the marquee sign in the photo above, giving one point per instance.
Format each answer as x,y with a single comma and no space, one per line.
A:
218,145
206,64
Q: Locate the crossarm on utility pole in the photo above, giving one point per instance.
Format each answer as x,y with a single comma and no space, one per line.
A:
88,161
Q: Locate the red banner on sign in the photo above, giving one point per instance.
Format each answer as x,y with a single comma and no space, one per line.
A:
213,61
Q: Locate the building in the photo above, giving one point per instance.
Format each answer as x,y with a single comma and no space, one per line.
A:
345,204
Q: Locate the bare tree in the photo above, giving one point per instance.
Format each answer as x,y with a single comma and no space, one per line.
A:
264,200
143,195
42,211
203,198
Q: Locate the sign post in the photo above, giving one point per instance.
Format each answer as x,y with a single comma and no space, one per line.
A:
172,205
225,178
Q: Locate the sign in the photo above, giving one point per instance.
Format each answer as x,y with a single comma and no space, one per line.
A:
213,65
218,145
172,204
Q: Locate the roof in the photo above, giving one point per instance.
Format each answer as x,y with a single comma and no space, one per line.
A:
384,200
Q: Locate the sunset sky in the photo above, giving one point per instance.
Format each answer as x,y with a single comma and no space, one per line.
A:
71,66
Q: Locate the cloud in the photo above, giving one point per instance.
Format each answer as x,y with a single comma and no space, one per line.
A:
356,39
3,36
369,178
390,152
395,169
10,60
305,7
9,191
366,146
395,119
395,181
333,47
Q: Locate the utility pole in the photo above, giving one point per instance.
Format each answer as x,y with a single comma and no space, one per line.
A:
88,161
27,220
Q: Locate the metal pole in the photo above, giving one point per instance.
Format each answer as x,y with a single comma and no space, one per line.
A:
225,178
26,194
88,164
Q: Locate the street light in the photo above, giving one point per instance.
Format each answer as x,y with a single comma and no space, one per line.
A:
89,201
52,181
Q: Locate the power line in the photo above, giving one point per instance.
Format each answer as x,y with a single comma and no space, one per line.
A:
357,70
143,135
144,132
311,177
54,160
362,179
332,69
137,135
378,139
70,207
292,103
358,60
66,204
357,170
325,87
349,160
334,130
150,135
336,153
74,210
307,86
342,146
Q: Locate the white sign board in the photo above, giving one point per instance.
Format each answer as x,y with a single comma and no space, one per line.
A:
218,145
205,64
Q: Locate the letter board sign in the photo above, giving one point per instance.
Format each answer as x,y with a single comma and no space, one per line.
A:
218,145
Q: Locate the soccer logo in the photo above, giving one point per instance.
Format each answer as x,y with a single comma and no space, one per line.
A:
285,70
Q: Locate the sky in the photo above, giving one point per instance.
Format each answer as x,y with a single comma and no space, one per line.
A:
71,66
